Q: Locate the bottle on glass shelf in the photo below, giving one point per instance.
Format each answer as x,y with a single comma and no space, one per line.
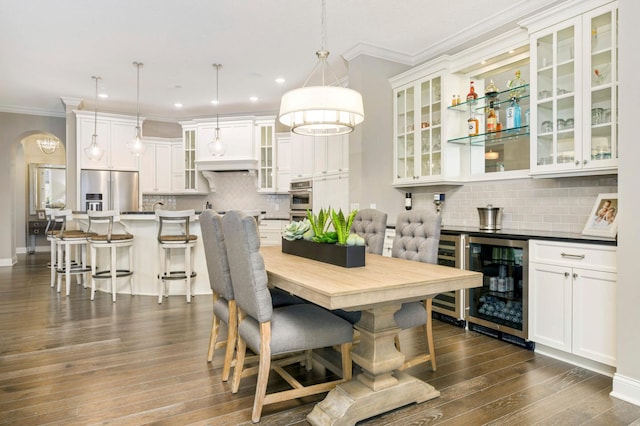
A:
473,125
492,120
516,86
514,115
453,101
472,95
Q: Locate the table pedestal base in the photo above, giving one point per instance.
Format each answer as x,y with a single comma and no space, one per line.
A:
353,401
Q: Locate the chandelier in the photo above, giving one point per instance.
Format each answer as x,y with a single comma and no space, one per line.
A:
94,151
321,110
216,147
136,145
48,146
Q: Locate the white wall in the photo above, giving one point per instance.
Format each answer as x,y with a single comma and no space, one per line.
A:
626,384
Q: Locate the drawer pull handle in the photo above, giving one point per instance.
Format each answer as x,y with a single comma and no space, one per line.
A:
572,256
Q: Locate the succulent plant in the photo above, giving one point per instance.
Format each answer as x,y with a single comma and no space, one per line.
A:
295,230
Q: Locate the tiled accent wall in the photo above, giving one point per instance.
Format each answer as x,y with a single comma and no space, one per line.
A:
559,204
148,201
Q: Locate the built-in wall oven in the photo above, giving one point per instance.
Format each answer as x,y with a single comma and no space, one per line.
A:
449,306
500,307
300,199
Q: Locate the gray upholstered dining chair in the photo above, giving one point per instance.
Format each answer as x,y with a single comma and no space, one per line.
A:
417,238
371,225
224,304
270,331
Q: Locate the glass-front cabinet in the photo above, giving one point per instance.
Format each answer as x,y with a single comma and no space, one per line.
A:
189,137
574,67
266,172
419,155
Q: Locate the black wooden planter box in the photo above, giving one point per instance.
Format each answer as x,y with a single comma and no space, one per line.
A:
346,256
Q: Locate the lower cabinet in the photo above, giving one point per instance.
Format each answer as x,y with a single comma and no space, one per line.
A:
572,298
271,232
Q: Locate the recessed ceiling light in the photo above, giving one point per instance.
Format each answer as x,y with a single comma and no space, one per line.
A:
177,105
483,62
253,98
215,102
512,52
280,80
103,95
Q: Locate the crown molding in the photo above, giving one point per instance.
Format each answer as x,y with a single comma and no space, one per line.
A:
31,111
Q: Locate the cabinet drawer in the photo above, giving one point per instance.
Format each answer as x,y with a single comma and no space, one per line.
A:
587,256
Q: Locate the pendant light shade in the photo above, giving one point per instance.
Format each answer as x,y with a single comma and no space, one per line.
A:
136,145
94,151
216,147
322,110
491,155
48,146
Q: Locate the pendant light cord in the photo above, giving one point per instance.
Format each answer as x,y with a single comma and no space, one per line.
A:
138,65
95,110
217,66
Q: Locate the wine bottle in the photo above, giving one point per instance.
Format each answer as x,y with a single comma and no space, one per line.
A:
491,119
407,201
473,125
472,95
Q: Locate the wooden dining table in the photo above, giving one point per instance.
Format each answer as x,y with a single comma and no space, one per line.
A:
378,289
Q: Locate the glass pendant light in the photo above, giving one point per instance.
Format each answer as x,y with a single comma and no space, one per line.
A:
216,147
48,145
136,145
94,151
321,110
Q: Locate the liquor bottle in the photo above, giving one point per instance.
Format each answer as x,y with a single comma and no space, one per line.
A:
457,99
473,125
516,86
453,101
491,90
514,115
472,95
491,119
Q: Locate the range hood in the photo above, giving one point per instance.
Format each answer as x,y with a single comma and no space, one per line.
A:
226,164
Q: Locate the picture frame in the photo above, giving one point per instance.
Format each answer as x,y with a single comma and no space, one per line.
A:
41,215
603,219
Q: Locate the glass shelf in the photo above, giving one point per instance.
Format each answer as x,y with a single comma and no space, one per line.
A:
489,138
481,103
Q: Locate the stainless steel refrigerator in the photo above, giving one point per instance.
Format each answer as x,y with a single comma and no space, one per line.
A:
109,190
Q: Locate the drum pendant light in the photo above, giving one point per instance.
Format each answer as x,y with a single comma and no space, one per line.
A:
321,110
136,145
94,151
216,147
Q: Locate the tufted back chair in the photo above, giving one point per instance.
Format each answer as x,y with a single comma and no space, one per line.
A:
216,254
417,236
371,225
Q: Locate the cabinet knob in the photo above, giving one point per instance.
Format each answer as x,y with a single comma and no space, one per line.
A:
566,275
575,276
577,162
585,162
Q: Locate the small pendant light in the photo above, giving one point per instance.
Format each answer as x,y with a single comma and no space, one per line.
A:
136,145
94,151
216,146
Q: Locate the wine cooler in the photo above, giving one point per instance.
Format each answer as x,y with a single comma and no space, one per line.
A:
449,306
499,307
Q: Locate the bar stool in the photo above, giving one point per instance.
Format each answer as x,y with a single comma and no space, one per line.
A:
65,240
108,239
173,234
51,232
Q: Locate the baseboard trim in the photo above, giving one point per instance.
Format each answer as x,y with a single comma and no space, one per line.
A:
8,261
626,389
579,361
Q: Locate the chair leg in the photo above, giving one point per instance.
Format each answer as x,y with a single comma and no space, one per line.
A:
213,337
54,263
263,370
67,272
232,337
237,372
347,365
161,272
130,254
114,271
94,269
60,264
428,326
187,267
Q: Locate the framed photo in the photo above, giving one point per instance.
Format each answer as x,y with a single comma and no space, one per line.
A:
603,220
41,215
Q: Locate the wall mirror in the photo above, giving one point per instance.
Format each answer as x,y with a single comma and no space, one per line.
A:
47,187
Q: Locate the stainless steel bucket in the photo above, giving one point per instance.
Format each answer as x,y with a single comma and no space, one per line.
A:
490,217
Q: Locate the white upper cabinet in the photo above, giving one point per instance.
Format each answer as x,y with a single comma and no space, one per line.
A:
114,133
161,161
283,163
302,150
265,138
330,155
575,90
238,138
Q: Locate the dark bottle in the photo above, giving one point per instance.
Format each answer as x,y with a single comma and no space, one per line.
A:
407,201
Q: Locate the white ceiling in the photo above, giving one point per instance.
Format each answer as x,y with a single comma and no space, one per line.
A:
50,49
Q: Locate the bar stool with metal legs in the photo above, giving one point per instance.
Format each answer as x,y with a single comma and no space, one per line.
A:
103,222
66,240
174,235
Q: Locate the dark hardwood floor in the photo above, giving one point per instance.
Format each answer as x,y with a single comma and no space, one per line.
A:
67,360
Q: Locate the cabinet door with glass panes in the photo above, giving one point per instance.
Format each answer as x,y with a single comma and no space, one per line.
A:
418,131
576,80
556,115
266,141
189,137
600,141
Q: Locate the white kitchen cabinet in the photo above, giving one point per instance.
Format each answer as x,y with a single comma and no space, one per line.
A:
271,232
236,135
159,165
572,299
421,154
267,148
283,163
302,151
331,191
574,96
189,136
330,155
114,133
